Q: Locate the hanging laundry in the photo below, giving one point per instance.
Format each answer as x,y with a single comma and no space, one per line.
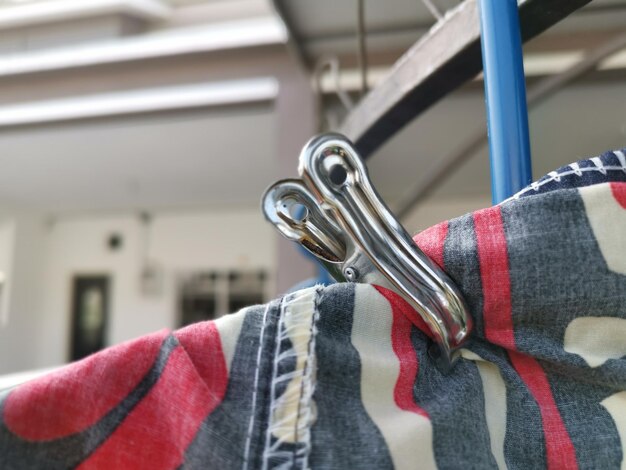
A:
341,376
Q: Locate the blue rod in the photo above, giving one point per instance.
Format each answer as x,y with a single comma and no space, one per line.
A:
505,96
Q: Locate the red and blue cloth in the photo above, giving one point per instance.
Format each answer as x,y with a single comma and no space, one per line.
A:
341,377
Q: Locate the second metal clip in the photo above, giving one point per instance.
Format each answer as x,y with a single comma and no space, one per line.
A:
336,214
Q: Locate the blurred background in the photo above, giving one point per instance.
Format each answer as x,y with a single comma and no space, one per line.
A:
137,137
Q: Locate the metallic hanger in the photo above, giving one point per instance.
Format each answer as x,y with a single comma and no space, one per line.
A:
336,214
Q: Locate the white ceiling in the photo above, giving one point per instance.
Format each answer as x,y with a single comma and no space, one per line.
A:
175,160
223,155
226,156
329,26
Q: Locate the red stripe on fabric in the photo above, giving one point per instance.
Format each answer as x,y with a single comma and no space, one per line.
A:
409,312
498,321
76,397
494,273
560,450
403,348
431,241
159,429
619,193
199,340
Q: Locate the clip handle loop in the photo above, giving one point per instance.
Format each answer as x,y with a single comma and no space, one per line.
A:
296,213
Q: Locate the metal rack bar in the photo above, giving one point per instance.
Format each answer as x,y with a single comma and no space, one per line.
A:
441,61
505,97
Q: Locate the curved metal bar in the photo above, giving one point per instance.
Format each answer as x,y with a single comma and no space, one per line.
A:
438,63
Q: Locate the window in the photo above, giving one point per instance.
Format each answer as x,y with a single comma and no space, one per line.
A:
209,295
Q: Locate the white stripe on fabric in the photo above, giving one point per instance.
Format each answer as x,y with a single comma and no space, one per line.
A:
616,406
293,412
576,168
596,339
601,206
597,161
622,158
229,327
408,435
555,176
494,391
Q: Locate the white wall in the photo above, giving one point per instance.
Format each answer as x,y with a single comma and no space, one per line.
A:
7,239
179,243
22,333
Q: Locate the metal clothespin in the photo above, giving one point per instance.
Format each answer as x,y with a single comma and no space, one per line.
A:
336,214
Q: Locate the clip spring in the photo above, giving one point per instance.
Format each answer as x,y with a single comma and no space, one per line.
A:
337,215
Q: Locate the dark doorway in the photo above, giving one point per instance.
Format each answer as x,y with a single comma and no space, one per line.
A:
90,311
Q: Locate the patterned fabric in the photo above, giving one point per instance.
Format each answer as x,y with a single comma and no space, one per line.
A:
340,377
610,166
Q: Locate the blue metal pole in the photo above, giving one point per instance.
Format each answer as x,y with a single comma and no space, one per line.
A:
505,95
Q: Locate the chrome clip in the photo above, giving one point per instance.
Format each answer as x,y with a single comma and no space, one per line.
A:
336,214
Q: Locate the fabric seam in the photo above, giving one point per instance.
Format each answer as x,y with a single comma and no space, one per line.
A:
246,456
308,384
576,170
302,418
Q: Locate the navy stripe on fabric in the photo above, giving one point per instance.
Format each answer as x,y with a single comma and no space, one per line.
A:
550,245
456,407
461,264
343,436
608,167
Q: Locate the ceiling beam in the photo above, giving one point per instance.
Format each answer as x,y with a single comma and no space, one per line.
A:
182,97
30,14
219,37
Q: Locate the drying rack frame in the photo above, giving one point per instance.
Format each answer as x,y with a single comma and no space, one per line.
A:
441,61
